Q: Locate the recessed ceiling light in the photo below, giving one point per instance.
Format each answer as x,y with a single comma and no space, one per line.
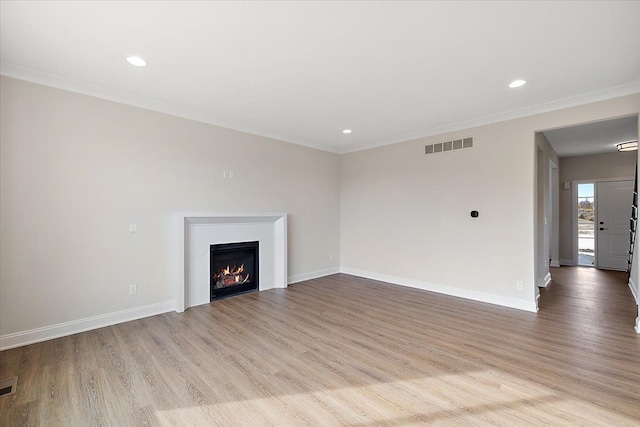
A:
628,145
136,60
517,83
347,131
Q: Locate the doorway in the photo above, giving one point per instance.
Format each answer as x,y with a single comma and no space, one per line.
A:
586,224
602,210
614,200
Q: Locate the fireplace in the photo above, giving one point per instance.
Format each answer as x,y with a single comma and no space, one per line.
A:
233,269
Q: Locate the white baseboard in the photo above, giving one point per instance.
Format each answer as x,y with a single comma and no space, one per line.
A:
313,275
543,283
634,290
32,336
444,289
554,263
567,262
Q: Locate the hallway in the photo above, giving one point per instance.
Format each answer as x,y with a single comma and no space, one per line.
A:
589,300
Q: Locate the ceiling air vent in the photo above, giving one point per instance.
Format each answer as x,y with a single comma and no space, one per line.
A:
457,144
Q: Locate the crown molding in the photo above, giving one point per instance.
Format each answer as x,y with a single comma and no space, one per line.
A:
52,80
71,85
574,101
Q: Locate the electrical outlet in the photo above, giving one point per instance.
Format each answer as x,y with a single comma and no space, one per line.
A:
232,174
133,228
519,284
133,289
330,257
225,174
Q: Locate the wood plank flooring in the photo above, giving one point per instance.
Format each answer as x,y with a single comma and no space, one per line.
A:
346,351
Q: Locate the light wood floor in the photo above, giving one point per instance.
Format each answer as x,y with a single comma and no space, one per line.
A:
345,351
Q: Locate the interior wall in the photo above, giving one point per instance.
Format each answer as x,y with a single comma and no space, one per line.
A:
555,215
77,170
546,156
405,215
595,166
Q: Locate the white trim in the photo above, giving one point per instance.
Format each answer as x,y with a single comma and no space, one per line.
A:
52,80
566,262
632,286
180,232
545,282
71,85
574,212
574,219
634,292
554,263
297,278
444,289
587,98
32,336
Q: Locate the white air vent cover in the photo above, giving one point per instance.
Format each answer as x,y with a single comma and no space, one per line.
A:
457,144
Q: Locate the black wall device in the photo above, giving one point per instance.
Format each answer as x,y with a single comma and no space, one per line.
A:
474,214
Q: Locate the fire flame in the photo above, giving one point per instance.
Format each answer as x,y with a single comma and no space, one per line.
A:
228,270
229,276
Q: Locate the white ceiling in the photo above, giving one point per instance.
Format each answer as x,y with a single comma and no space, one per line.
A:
303,71
593,138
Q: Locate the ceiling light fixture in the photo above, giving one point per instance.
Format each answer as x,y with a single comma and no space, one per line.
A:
628,145
136,60
517,83
347,131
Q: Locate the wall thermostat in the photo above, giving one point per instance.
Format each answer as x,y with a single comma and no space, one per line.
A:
474,214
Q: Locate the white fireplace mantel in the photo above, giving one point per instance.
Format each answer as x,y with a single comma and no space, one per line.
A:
189,227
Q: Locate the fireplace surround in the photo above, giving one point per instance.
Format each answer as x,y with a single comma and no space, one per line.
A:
194,232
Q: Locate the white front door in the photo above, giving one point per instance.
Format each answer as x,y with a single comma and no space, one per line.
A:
613,204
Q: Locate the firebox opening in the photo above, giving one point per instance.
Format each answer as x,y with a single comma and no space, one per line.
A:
233,269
